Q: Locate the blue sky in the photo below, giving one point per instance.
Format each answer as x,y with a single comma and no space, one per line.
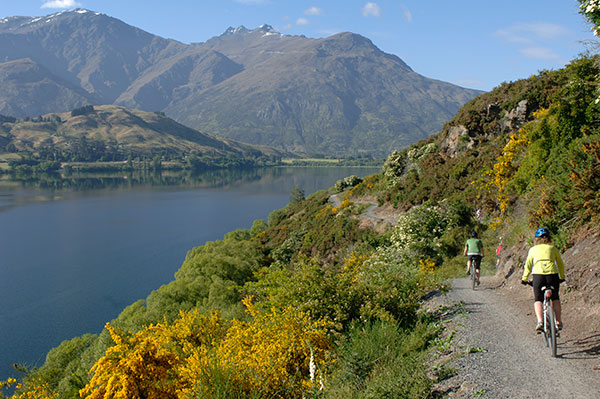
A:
475,44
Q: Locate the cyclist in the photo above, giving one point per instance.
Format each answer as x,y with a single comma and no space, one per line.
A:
499,252
546,266
474,251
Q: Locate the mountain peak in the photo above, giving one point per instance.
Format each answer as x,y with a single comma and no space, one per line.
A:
235,31
242,30
266,28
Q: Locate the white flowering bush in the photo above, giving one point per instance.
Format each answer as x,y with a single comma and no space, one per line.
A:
394,165
416,153
591,11
350,181
420,232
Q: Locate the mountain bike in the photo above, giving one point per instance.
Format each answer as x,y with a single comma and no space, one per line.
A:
472,270
550,333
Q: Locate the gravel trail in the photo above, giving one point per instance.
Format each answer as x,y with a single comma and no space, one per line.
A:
502,357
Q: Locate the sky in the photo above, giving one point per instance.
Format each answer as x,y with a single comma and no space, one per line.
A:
475,44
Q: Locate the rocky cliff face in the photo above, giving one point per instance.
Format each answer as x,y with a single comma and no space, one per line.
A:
458,138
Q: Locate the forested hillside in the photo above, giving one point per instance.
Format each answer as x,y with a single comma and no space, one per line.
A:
314,303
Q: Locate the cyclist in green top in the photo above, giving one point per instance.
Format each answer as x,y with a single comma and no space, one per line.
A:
474,251
546,266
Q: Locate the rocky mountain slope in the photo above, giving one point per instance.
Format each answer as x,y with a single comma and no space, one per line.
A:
335,95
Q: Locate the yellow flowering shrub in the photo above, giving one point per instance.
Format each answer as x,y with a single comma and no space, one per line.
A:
146,364
274,353
496,181
31,389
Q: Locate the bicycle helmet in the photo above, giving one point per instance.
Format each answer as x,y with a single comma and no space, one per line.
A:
542,232
473,234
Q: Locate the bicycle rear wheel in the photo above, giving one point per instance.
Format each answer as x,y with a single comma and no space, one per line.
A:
546,333
473,277
551,330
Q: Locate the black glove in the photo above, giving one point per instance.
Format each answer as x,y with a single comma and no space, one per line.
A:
523,282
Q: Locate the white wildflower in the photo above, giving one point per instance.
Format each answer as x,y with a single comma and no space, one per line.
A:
312,367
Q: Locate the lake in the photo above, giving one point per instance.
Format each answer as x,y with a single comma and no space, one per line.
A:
75,252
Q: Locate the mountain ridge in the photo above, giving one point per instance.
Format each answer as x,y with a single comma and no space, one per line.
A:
338,95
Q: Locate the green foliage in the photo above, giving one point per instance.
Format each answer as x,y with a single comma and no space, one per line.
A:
557,171
61,369
86,109
378,360
296,195
591,10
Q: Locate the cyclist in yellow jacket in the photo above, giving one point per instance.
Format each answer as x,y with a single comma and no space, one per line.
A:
547,268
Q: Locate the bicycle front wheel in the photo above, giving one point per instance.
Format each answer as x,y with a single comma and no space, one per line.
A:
551,328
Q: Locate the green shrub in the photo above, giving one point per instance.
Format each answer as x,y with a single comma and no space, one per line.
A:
378,360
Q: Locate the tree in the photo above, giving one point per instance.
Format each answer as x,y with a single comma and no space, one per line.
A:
296,195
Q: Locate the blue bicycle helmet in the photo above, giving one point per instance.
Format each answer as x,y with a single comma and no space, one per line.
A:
542,232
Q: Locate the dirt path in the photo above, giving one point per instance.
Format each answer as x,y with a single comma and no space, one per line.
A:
500,356
373,214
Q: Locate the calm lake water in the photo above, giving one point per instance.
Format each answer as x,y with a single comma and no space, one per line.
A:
75,253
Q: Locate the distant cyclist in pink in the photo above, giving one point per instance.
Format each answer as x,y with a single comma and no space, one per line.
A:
546,266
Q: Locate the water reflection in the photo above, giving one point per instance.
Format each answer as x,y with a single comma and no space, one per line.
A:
95,181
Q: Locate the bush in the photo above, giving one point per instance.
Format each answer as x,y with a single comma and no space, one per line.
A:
377,360
85,110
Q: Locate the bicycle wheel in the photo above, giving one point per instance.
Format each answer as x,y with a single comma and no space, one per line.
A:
546,333
473,277
552,331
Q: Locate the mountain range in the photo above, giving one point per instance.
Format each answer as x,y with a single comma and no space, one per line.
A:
338,95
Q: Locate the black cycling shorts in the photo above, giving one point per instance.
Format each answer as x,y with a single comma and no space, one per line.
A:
545,280
475,261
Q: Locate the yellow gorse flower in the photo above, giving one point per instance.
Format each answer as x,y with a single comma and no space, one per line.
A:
271,353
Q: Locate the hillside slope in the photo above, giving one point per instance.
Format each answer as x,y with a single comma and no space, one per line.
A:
123,130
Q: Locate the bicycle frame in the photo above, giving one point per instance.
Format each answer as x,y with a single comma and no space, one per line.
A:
550,331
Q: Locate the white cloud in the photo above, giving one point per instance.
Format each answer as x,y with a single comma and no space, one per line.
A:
313,11
528,33
61,4
302,21
406,13
540,53
371,9
538,41
287,27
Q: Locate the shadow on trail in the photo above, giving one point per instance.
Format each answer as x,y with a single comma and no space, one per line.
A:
583,348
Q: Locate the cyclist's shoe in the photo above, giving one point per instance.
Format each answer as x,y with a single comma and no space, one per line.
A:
468,272
539,328
477,282
559,326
